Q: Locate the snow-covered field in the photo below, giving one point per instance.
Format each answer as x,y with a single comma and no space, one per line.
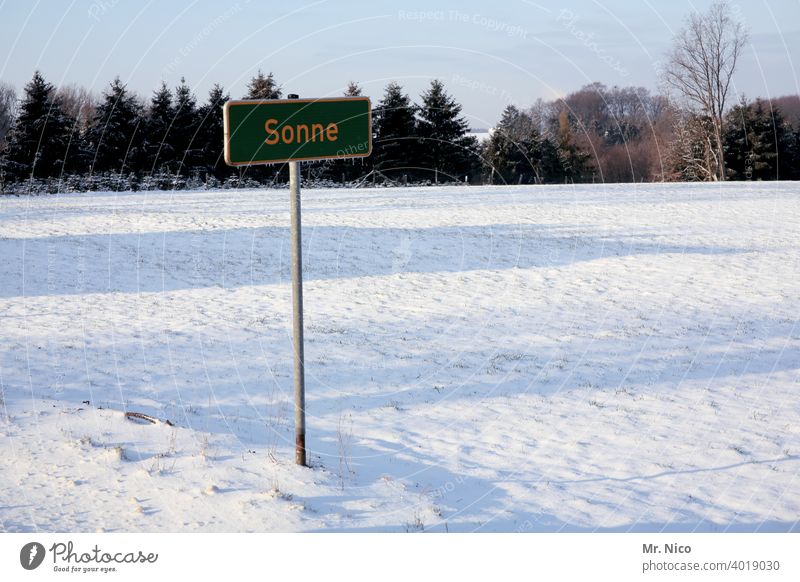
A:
618,357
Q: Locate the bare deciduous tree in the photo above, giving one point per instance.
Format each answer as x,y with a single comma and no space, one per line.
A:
692,156
701,66
8,105
79,103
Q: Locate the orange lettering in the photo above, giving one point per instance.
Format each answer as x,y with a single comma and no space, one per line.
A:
302,128
332,132
288,137
289,134
272,133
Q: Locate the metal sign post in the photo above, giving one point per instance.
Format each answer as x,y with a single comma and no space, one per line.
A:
297,316
274,131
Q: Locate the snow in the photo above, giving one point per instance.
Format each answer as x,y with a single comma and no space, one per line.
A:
481,135
532,358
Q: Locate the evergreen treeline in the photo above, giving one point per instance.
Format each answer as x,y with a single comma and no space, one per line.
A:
66,138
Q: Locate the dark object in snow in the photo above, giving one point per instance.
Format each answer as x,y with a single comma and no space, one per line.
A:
138,416
141,418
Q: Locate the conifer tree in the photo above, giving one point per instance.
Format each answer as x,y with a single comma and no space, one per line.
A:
353,90
515,150
792,171
261,87
445,149
210,133
499,151
758,142
772,133
551,169
574,162
394,128
183,134
158,150
40,137
115,138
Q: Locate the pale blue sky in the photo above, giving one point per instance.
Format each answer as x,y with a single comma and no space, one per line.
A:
487,53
